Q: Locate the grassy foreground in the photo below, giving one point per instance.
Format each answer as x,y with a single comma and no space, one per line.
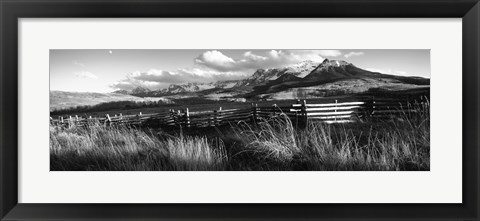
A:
400,144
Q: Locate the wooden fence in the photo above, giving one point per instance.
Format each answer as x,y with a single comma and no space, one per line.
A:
331,111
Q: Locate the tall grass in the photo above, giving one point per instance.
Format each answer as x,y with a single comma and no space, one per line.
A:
399,143
123,148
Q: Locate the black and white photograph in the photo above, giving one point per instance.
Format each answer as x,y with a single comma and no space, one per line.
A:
239,109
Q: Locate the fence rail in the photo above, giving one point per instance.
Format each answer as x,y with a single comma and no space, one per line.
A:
337,111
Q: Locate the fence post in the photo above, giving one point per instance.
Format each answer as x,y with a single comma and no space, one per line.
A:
138,119
254,114
296,112
172,115
304,113
274,107
214,118
108,119
373,105
70,121
182,117
187,117
179,119
61,119
336,105
296,119
219,115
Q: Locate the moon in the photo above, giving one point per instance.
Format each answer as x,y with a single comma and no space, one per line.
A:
110,51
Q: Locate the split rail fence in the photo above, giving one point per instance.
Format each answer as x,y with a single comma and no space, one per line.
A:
331,111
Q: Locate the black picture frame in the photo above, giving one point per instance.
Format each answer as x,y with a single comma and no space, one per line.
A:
12,10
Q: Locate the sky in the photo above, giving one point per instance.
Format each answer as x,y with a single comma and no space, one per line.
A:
107,70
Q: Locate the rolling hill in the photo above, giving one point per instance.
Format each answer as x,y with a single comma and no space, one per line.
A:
63,99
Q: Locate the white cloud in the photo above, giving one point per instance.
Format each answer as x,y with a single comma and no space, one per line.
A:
329,53
79,64
253,57
86,74
249,61
389,71
353,53
130,84
215,59
157,79
209,75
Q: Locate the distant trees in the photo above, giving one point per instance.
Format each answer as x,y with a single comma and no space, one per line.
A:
115,105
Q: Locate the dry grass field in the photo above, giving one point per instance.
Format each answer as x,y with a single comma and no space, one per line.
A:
401,143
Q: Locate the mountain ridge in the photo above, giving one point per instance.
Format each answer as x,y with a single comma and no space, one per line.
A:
272,80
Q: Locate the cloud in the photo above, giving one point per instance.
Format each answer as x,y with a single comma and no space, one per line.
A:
130,84
274,58
86,74
209,75
79,64
389,71
329,53
157,79
152,79
216,60
353,53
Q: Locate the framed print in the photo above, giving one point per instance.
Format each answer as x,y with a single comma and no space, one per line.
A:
282,117
239,110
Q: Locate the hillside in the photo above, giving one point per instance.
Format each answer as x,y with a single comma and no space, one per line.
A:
338,77
62,99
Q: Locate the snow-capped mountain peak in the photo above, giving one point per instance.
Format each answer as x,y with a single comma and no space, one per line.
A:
262,76
334,63
140,90
302,69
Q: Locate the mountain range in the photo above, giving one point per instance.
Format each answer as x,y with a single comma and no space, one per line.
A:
304,80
